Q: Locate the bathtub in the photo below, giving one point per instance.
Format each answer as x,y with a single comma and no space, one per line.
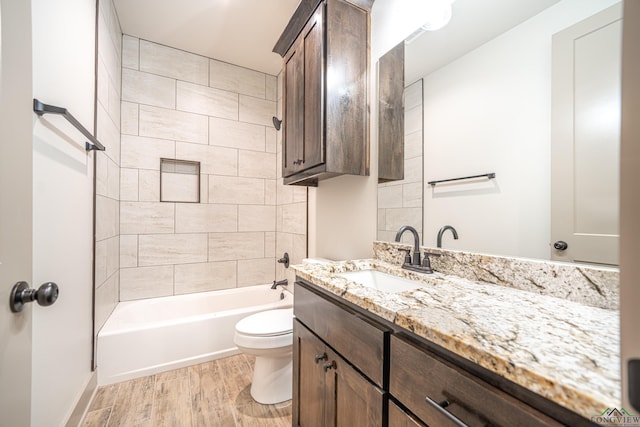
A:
148,336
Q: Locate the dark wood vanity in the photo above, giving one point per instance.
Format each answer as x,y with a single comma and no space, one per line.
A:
353,368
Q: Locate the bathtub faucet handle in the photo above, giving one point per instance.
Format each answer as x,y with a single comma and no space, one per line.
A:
284,260
283,282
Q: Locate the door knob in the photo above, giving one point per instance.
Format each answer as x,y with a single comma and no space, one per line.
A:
45,295
560,245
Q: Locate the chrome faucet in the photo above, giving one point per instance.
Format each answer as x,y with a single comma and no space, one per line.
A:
441,232
283,282
416,242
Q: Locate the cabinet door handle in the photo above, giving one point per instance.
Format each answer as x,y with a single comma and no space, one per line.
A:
320,357
440,408
331,365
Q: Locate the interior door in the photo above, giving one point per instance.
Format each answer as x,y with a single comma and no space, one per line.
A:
15,208
585,144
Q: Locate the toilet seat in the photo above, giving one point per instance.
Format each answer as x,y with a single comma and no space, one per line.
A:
269,323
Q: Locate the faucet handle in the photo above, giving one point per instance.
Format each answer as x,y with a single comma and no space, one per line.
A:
426,262
407,256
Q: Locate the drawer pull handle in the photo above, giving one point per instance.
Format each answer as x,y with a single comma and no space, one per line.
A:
331,365
320,357
440,408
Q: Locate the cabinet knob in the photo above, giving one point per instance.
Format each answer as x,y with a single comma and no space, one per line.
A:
298,162
560,245
331,365
320,357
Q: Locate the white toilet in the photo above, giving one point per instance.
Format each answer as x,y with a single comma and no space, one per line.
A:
268,336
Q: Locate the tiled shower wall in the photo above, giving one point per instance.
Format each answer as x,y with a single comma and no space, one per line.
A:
107,256
184,106
400,202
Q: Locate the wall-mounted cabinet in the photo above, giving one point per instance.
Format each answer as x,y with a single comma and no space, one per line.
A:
325,92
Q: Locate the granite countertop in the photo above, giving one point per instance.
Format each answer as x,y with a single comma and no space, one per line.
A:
564,351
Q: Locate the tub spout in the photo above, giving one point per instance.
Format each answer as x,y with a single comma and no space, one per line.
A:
282,282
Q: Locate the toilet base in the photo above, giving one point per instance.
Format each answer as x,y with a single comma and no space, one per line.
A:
272,379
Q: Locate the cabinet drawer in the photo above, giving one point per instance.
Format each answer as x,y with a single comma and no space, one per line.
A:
423,382
399,418
358,340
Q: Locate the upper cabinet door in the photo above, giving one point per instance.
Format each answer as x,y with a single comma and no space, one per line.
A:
293,123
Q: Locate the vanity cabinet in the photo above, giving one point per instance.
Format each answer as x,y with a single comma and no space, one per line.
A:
325,101
441,394
338,364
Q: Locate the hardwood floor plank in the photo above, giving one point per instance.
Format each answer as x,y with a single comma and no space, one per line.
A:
210,404
97,418
172,403
236,375
134,403
105,397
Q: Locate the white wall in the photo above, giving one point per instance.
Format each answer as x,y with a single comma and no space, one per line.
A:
489,111
63,75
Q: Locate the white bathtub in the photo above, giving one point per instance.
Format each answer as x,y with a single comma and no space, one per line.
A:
153,335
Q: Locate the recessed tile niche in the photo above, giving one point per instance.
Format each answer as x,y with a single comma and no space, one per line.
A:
179,181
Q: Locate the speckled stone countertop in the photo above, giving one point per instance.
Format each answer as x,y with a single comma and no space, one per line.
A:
564,351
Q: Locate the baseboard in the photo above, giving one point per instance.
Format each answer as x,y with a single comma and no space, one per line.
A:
78,413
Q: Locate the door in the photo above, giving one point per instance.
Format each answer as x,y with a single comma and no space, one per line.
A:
309,358
15,208
585,144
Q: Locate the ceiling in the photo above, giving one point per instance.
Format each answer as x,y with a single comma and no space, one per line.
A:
242,32
472,24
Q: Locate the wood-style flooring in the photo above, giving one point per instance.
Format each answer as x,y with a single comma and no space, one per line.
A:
214,393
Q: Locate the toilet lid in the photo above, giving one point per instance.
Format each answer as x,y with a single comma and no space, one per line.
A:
267,323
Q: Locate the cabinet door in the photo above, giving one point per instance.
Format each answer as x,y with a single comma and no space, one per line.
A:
350,399
304,98
399,418
293,123
309,358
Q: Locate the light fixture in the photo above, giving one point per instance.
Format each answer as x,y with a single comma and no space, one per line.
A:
438,13
276,122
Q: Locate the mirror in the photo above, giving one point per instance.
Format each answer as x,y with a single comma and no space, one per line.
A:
490,105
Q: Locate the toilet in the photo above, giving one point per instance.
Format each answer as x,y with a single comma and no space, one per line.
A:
268,336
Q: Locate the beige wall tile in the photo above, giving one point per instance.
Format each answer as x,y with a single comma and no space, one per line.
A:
256,164
213,160
233,134
204,188
299,248
158,122
102,173
271,139
149,185
146,217
299,194
207,276
177,187
144,153
390,197
129,118
412,195
106,299
101,261
129,184
270,191
106,217
294,218
103,83
412,170
272,88
413,145
163,249
205,100
412,120
256,218
114,103
130,52
284,193
169,62
270,244
256,271
234,246
382,219
146,282
236,190
396,218
233,78
149,89
258,111
113,255
113,179
128,250
205,218
413,96
108,134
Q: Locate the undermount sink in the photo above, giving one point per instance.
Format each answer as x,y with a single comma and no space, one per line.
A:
382,281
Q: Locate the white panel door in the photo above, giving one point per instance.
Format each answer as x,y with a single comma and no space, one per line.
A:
586,140
15,209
